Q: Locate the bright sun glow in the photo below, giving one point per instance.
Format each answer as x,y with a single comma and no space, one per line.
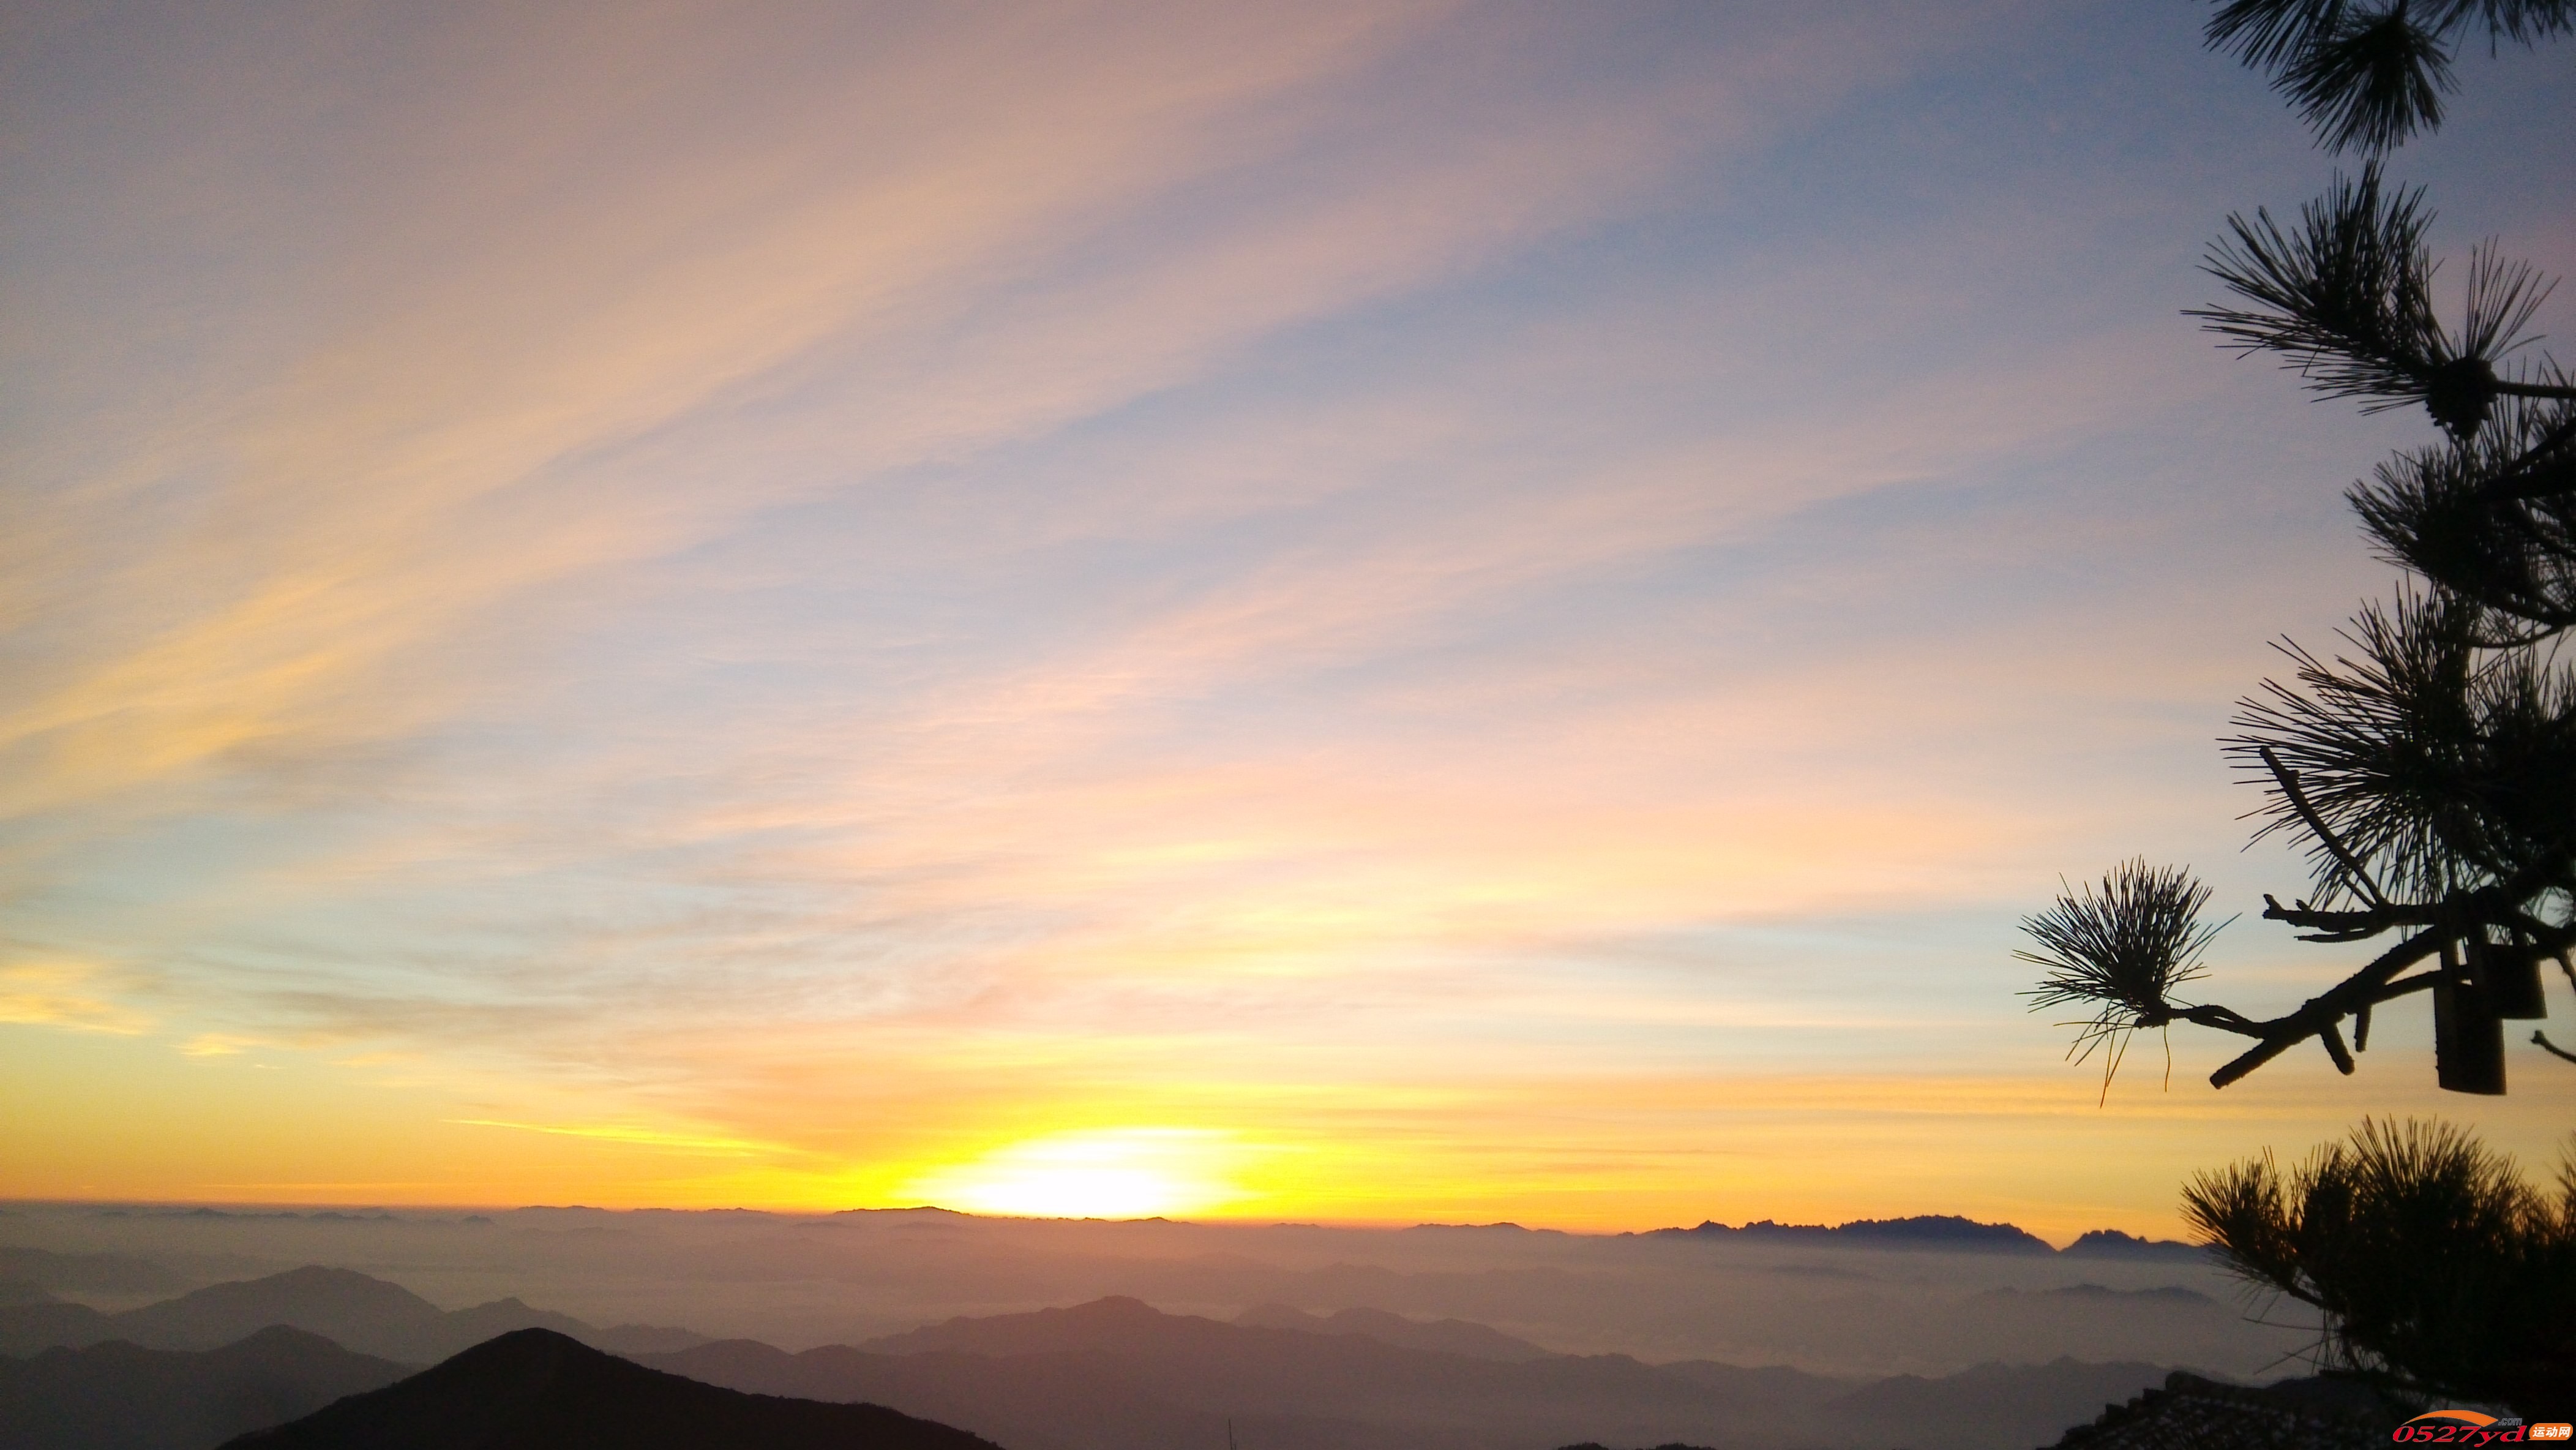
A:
1115,1173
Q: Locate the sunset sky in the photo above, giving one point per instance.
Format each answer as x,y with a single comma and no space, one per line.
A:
1331,612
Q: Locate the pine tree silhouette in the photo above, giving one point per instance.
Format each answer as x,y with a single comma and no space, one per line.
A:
2429,763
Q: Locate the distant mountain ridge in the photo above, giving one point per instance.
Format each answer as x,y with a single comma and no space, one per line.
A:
1937,1231
350,1309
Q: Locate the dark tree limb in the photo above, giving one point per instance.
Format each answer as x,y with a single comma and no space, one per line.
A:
2523,481
2346,926
2320,1014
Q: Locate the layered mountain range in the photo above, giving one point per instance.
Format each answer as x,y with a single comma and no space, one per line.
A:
351,1309
1111,1374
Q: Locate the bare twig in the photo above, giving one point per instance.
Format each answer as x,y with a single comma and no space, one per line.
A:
2298,799
2332,1037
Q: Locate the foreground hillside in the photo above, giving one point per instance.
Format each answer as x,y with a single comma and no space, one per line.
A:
534,1389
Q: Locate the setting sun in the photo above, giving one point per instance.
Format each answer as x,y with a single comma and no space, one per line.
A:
1117,1173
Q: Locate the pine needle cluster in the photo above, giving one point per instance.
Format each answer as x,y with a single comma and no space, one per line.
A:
2368,76
2438,1269
2122,952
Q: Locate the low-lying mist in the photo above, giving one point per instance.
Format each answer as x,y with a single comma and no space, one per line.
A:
798,1281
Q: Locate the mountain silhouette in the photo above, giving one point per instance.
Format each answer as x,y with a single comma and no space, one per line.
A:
124,1397
1448,1336
534,1389
351,1309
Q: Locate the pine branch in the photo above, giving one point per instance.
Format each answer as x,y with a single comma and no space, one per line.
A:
2492,518
2346,299
2441,766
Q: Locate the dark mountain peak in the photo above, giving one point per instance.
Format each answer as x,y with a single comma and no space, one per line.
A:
522,1357
534,1389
